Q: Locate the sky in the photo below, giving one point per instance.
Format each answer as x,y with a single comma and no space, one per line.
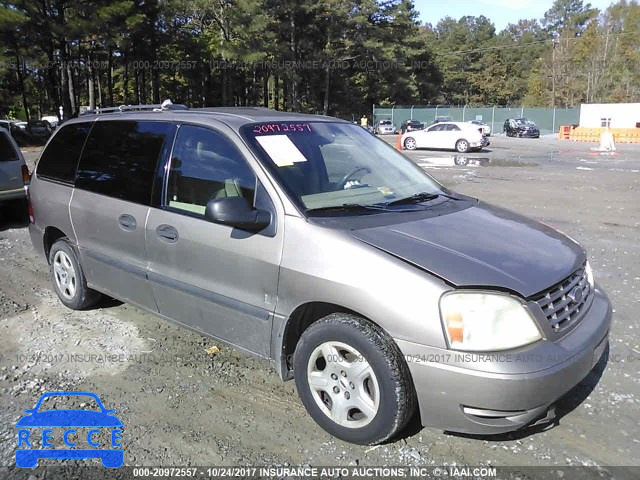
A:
500,12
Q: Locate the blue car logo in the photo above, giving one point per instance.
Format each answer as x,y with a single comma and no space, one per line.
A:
69,419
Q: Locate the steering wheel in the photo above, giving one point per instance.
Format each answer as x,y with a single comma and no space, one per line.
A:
347,177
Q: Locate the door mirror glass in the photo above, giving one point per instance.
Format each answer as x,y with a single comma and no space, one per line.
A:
236,212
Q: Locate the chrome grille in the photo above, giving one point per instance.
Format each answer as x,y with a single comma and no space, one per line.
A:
565,303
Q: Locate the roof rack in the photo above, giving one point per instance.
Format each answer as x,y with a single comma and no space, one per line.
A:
164,106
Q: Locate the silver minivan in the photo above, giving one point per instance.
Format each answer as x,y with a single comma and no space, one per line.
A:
310,243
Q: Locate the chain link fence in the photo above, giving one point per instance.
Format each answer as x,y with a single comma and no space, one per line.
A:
548,120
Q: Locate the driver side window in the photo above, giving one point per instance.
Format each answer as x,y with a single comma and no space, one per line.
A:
206,165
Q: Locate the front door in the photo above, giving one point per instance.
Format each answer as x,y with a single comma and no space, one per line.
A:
216,279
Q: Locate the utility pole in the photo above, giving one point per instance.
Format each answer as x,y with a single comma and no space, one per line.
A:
553,74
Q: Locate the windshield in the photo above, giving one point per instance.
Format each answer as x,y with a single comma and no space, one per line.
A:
385,122
323,165
524,121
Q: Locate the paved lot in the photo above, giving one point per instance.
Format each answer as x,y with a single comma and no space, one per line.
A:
181,405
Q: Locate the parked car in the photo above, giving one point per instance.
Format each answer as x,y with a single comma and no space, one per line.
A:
307,242
39,131
16,129
521,127
483,127
459,136
411,125
14,174
384,127
52,119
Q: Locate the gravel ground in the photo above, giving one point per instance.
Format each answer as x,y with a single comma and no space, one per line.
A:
181,405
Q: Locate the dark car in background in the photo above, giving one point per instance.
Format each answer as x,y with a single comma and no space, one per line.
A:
521,127
39,131
410,125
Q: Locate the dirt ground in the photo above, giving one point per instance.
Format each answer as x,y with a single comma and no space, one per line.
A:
183,406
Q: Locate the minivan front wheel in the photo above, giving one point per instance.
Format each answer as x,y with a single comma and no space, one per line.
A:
68,278
352,379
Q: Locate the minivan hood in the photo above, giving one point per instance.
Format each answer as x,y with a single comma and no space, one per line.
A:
482,246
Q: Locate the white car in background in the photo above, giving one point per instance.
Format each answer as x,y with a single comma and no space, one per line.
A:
459,136
52,119
480,125
384,127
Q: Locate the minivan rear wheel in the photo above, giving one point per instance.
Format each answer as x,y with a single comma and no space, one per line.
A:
69,281
353,380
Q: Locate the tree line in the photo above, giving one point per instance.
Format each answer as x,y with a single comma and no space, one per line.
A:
336,57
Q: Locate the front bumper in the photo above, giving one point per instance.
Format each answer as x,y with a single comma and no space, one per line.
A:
496,393
529,134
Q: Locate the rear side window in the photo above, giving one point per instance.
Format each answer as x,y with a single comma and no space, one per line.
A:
7,152
60,158
120,158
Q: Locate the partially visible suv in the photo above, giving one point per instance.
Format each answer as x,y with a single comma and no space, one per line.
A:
314,245
520,127
14,174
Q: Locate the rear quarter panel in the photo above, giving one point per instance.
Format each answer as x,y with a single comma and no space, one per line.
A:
50,202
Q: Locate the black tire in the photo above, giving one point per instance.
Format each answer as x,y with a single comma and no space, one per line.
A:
395,392
82,297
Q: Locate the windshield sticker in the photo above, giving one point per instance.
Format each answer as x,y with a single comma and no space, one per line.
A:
281,128
281,150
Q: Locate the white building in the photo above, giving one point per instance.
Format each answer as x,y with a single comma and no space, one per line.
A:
612,115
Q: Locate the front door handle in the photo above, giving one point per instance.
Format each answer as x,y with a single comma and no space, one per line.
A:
167,233
127,222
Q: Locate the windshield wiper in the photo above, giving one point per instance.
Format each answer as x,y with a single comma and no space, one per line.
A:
346,207
415,198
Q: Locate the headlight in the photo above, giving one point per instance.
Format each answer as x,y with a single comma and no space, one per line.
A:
589,273
486,321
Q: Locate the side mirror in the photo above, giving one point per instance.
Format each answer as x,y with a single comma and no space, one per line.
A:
236,212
